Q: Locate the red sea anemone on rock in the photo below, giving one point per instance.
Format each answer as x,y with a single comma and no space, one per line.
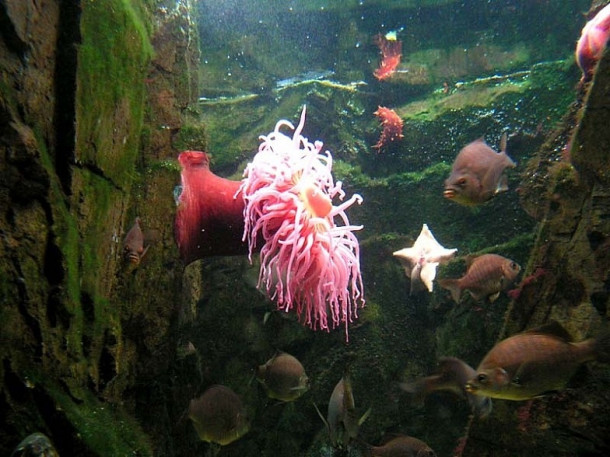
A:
209,218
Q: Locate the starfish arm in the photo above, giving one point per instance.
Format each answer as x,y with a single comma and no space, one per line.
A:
428,273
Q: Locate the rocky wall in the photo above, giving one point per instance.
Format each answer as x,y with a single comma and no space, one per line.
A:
570,172
81,83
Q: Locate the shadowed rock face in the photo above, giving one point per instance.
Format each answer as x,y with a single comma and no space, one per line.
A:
74,322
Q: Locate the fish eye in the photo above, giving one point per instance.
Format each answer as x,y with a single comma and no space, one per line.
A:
482,378
516,381
461,182
514,266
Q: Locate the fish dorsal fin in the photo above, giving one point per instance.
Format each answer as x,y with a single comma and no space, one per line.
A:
552,328
503,145
448,366
493,297
322,417
348,396
366,414
469,260
503,142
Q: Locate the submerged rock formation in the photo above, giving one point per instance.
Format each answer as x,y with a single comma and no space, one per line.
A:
88,113
570,264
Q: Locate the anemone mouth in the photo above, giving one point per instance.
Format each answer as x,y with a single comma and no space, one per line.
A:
317,203
449,193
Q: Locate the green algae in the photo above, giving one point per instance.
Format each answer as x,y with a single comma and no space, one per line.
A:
115,47
106,429
68,240
191,137
76,330
353,174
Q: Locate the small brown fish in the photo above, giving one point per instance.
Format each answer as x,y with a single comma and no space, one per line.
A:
342,421
402,446
219,415
451,375
133,245
478,173
486,276
534,363
283,377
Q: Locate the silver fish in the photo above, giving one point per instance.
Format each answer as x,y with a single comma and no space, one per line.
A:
342,421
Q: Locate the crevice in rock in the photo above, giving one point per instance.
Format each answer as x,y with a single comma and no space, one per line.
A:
14,386
9,34
107,362
97,171
22,305
54,272
65,90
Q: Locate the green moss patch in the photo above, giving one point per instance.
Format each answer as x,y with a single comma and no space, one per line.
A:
112,68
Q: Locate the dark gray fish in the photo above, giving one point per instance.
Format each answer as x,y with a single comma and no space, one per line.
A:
35,445
283,377
219,415
402,446
478,173
451,375
486,276
534,363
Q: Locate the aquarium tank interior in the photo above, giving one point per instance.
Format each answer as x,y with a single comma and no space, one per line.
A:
304,228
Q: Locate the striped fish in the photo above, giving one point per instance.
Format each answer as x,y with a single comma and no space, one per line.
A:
486,276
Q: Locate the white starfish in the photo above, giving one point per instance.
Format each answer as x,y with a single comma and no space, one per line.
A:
420,260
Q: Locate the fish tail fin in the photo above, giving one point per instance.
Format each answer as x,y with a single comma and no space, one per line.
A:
503,143
418,389
453,286
364,417
322,417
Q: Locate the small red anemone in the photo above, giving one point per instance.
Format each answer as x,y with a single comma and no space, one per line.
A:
392,126
391,50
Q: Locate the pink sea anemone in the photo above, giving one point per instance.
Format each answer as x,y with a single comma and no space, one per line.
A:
308,262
